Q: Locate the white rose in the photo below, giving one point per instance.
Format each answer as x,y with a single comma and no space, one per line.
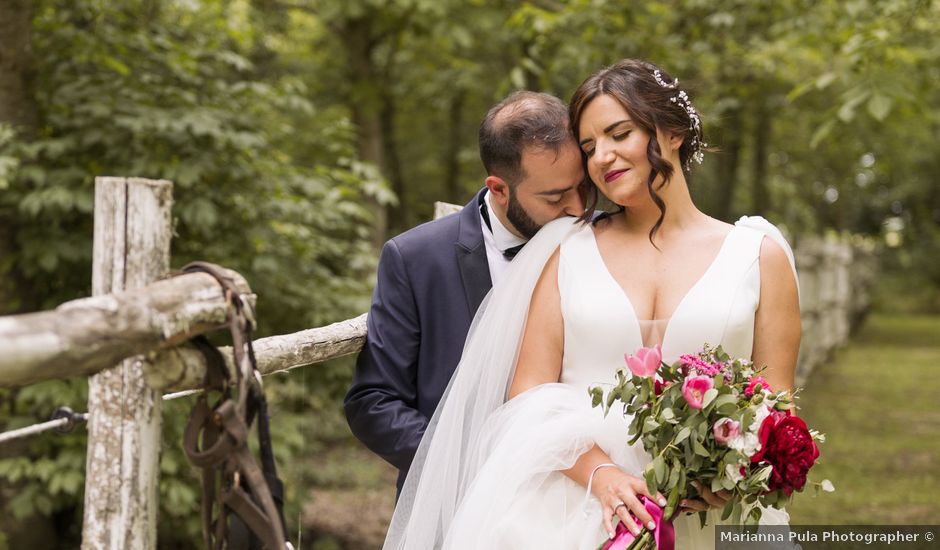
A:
746,443
760,413
733,472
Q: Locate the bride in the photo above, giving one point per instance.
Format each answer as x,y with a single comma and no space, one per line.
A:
515,456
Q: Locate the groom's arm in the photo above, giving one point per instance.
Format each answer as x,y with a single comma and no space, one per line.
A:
381,403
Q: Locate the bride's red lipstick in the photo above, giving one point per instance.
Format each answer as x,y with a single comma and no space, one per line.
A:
613,174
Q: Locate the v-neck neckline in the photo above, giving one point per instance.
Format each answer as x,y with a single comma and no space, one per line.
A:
636,320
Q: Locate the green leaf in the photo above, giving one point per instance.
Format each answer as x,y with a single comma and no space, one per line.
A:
879,106
699,449
116,65
847,110
650,476
674,474
726,511
710,395
821,133
682,435
597,396
824,80
659,469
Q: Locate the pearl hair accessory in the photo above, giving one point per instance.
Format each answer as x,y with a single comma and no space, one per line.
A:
695,123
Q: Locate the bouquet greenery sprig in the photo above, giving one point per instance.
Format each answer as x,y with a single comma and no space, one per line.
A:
712,419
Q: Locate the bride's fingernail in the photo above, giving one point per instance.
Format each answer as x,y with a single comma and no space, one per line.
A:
610,535
662,502
651,525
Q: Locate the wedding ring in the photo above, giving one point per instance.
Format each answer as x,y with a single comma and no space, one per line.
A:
619,504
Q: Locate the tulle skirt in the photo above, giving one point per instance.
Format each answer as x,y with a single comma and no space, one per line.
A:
520,499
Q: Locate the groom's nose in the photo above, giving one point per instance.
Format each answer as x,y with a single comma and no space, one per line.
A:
574,204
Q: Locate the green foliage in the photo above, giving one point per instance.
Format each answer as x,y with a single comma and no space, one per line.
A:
170,95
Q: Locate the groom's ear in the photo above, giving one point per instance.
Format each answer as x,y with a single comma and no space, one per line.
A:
499,190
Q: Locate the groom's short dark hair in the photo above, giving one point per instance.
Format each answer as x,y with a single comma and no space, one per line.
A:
524,119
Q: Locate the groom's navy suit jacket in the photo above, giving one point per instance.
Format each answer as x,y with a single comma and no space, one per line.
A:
431,280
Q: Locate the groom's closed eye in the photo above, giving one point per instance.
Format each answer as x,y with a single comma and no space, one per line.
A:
556,196
555,201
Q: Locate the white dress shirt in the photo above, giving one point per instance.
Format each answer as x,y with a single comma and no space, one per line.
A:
496,241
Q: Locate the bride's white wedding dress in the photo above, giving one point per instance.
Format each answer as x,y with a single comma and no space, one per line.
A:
498,464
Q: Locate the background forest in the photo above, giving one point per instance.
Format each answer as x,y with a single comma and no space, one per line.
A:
300,134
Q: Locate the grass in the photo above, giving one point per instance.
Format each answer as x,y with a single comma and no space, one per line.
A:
878,402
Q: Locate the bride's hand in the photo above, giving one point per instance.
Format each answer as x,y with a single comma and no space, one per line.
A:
709,500
619,494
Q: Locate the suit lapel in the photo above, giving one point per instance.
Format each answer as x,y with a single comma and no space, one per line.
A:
471,255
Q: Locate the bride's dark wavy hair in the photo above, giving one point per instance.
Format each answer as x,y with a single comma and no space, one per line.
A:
651,105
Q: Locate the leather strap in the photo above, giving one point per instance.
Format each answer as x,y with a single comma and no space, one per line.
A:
216,439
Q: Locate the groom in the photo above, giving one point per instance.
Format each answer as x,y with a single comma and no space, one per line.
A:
432,278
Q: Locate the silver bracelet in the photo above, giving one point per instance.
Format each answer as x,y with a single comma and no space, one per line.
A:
587,494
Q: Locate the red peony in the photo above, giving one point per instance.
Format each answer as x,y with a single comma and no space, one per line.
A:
786,444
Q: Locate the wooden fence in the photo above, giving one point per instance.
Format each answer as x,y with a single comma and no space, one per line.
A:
126,338
837,275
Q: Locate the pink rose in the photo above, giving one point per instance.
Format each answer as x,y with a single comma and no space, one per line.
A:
755,382
646,361
725,430
694,388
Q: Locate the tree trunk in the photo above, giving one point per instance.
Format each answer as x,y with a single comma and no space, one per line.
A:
18,109
16,66
365,106
397,214
728,166
762,135
452,191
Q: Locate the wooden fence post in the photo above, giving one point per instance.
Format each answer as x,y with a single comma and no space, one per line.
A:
131,249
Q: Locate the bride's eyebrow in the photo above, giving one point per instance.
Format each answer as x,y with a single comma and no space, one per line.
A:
607,130
610,128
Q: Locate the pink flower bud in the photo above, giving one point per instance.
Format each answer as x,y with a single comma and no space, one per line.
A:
755,382
646,361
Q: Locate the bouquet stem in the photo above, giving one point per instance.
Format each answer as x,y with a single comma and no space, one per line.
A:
642,542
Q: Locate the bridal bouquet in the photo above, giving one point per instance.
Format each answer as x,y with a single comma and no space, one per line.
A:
714,420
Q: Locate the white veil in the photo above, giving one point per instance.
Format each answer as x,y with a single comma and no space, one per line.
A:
448,457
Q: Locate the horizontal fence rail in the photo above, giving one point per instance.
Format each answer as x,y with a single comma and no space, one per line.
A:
85,336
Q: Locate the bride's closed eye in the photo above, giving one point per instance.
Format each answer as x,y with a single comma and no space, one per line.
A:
589,151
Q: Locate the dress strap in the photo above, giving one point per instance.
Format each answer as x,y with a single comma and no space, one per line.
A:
759,223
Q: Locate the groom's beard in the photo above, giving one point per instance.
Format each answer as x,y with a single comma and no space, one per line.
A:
519,218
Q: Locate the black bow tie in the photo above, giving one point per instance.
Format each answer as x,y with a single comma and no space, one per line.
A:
510,252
